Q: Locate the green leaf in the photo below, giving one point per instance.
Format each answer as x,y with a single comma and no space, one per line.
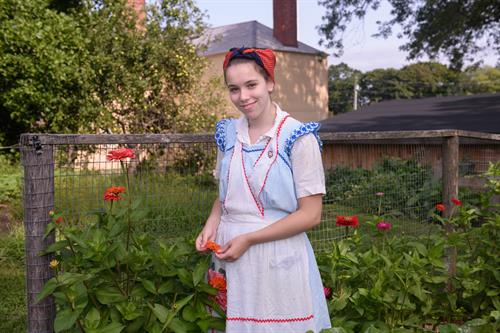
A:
199,272
92,318
215,323
179,326
50,227
47,289
69,278
449,328
109,295
160,312
114,327
55,247
189,313
166,287
149,286
65,319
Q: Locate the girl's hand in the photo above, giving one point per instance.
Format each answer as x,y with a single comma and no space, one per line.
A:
207,234
234,249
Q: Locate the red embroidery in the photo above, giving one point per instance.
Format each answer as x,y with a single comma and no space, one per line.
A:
257,201
267,144
258,320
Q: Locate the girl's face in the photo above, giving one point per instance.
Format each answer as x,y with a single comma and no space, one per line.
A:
248,89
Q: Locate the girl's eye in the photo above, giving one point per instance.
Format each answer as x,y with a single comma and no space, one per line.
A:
252,85
233,90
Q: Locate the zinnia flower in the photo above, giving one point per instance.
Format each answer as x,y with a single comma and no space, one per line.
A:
52,213
216,280
213,246
383,225
347,221
113,193
120,154
327,291
53,264
456,202
59,220
379,194
440,207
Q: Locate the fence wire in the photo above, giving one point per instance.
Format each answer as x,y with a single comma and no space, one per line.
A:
171,177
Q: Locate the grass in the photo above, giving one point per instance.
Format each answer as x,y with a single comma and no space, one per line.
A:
12,279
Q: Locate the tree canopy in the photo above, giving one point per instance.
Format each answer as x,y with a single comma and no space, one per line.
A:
90,66
455,29
418,80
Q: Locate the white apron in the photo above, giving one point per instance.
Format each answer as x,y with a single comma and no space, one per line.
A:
268,286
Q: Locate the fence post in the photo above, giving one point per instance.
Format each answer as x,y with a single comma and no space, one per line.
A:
450,190
38,163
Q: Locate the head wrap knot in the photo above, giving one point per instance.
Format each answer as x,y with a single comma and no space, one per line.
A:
265,58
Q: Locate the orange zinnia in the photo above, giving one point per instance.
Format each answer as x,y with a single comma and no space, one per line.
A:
113,193
213,246
440,207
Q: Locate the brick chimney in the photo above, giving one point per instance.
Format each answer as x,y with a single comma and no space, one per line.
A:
285,21
139,6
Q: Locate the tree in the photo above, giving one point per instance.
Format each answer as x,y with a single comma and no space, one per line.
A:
428,79
91,66
383,84
455,29
341,81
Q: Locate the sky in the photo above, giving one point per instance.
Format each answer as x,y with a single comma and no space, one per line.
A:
361,51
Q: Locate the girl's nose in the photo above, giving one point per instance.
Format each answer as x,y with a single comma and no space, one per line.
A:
244,94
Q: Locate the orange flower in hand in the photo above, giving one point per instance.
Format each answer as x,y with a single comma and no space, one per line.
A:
213,246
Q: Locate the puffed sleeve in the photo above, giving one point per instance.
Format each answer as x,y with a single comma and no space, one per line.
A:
307,166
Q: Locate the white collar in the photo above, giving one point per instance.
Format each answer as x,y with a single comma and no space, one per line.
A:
242,126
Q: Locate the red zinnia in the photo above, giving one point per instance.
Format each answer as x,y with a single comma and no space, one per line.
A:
347,221
120,154
59,220
383,225
456,202
440,207
218,281
113,193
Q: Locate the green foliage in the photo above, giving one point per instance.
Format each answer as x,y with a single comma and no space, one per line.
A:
402,283
10,179
341,81
12,294
111,276
90,66
425,23
408,187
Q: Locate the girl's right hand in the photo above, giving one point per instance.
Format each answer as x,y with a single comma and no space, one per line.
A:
207,234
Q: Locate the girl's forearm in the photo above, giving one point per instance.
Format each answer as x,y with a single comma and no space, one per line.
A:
215,213
306,217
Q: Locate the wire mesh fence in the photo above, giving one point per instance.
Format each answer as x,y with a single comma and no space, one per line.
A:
398,175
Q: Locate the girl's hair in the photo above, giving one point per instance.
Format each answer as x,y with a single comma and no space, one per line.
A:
246,61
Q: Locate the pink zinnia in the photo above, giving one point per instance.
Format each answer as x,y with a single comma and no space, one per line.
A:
383,225
379,194
327,291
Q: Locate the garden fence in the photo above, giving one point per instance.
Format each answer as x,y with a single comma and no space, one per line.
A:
172,176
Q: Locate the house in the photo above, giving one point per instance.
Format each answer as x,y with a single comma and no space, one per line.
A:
407,129
301,70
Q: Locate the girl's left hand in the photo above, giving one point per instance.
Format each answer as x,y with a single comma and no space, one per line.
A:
234,249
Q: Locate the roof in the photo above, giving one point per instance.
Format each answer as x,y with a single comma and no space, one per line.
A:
248,34
480,113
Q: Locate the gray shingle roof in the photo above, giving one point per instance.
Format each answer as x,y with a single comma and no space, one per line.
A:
248,34
480,113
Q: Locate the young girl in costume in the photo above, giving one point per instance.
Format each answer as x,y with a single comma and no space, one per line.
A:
271,183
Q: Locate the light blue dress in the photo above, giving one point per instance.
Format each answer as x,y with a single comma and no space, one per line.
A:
274,286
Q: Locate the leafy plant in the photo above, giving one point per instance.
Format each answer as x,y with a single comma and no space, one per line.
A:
110,277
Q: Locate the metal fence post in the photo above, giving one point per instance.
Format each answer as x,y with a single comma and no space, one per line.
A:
450,190
38,197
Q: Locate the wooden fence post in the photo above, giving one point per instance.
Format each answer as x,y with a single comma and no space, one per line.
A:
450,190
38,163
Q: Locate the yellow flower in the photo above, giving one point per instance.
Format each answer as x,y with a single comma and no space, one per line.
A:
54,263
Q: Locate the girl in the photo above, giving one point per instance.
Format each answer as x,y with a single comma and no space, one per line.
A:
271,184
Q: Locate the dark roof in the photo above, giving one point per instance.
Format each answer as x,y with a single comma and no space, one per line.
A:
480,113
248,34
